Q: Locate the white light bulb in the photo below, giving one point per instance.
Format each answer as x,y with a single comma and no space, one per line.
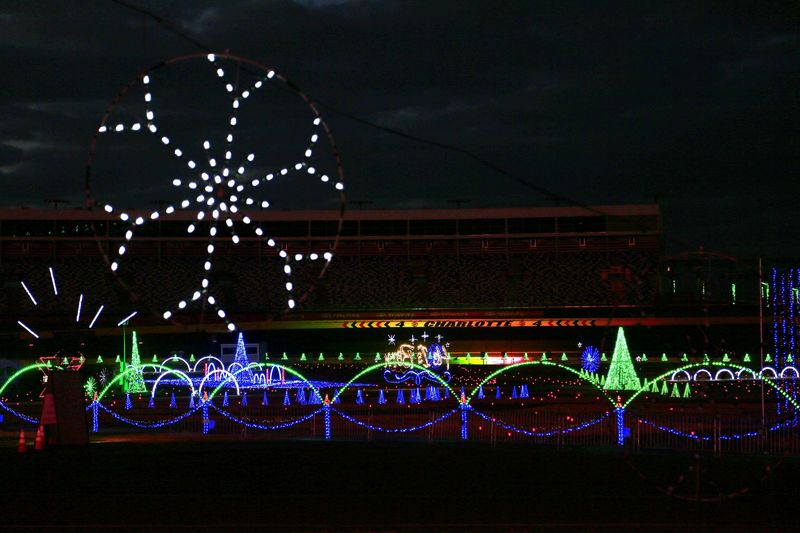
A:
200,198
251,157
233,121
246,219
271,242
201,215
196,295
208,188
220,72
146,79
149,115
154,215
240,170
298,257
165,140
226,172
221,313
170,210
167,314
191,164
114,266
231,183
235,239
207,265
152,128
181,305
210,248
269,177
283,254
176,182
192,185
324,178
139,221
259,232
136,126
185,203
121,250
229,87
190,229
229,222
215,214
178,152
234,209
212,162
245,94
234,198
206,145
308,153
291,303
298,166
258,84
270,74
119,127
204,283
123,216
288,285
102,129
339,186
328,256
314,138
128,235
211,57
108,208
212,300
317,121
217,179
311,170
231,327
204,175
264,204
236,104
229,138
284,171
148,97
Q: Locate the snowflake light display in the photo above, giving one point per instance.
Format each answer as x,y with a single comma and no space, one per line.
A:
220,185
590,359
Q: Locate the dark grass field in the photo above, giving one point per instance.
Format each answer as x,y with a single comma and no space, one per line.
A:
388,486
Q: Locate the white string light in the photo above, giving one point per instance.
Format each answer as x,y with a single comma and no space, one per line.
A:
238,178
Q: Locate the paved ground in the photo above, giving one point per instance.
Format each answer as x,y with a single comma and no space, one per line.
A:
411,486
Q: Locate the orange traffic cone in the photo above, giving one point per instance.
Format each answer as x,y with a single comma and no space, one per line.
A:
39,443
21,447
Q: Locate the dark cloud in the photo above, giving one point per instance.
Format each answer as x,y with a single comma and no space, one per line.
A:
691,105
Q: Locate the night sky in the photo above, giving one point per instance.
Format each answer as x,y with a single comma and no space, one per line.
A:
694,106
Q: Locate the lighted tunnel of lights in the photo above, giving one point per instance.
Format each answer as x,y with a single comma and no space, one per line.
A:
210,396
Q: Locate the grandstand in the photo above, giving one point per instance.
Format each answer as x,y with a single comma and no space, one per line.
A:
524,267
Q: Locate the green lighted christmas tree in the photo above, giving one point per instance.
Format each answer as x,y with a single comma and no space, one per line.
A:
621,374
133,380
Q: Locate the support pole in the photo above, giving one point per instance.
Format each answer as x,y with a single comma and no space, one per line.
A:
620,411
326,412
95,417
